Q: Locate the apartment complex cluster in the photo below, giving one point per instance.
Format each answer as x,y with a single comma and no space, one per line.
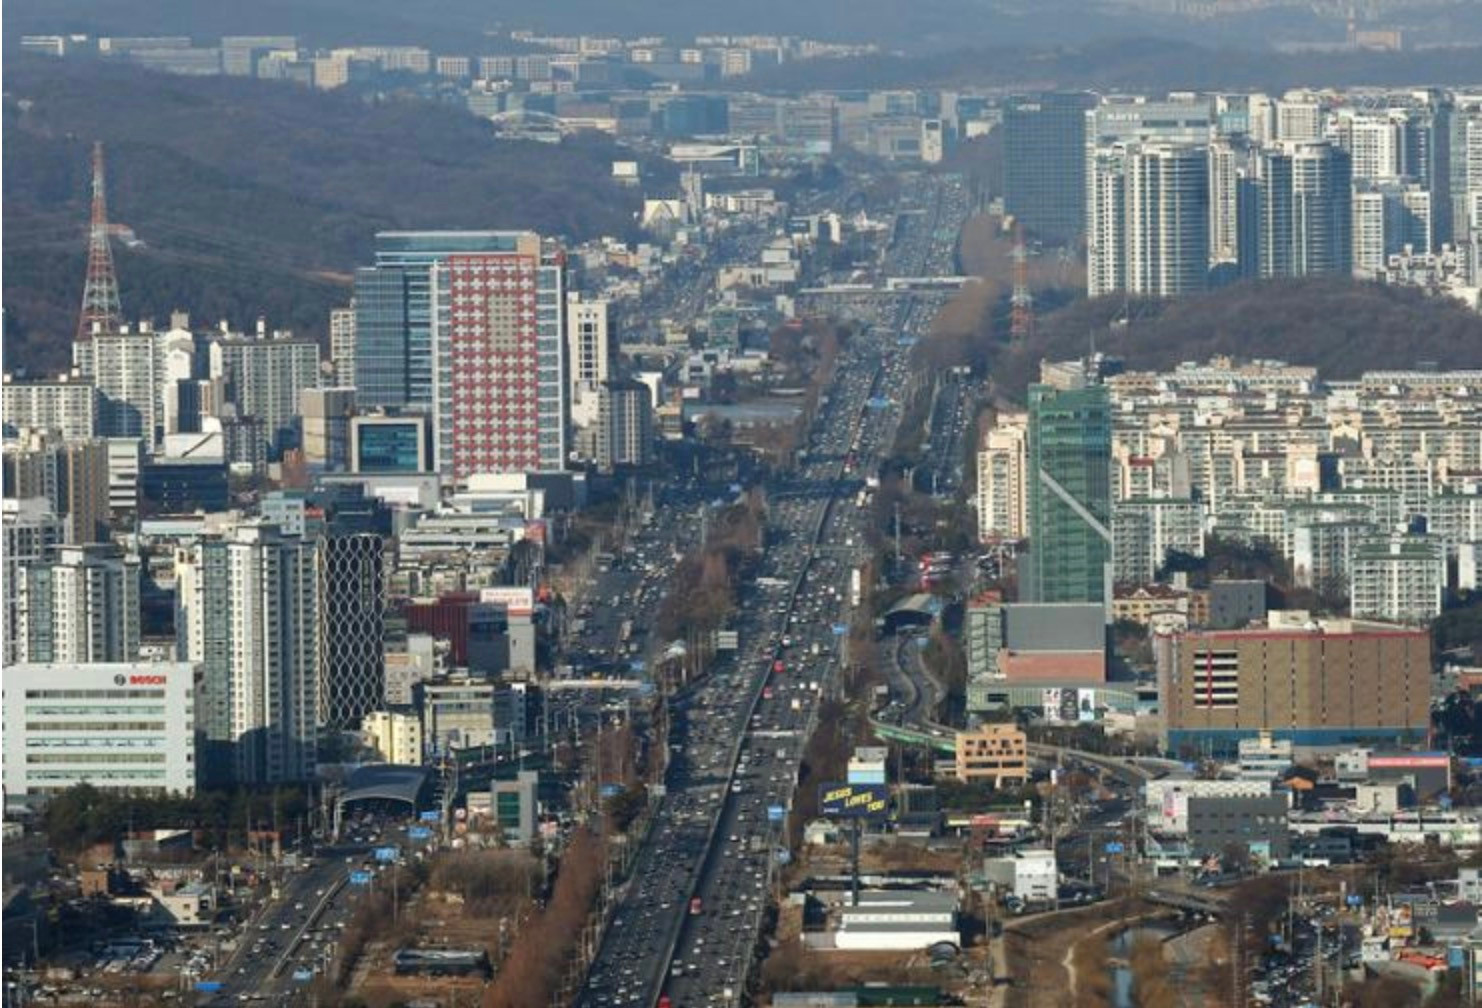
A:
1179,193
1366,490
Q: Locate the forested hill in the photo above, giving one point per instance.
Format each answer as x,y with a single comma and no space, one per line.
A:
1340,326
253,197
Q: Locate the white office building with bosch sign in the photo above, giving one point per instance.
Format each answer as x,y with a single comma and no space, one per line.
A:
117,726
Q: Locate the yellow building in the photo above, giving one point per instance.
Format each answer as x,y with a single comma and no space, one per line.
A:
396,735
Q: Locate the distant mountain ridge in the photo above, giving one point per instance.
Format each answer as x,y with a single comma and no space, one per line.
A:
254,197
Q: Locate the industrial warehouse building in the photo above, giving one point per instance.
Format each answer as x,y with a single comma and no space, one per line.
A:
1329,683
897,920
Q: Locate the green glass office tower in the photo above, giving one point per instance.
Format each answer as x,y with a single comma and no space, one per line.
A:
1069,484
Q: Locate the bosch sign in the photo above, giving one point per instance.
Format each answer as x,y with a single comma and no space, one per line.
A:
146,680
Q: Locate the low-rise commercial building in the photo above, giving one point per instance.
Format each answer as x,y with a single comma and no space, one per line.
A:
1257,824
885,920
1167,800
512,804
1059,642
1031,876
997,754
396,735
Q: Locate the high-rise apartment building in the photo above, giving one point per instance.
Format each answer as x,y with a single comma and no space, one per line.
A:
352,611
1399,580
248,613
499,393
1304,203
1376,143
72,475
1148,220
1386,218
1002,488
128,369
79,604
1299,117
68,405
262,376
624,424
1044,166
1229,160
1144,531
1069,495
1142,190
1457,161
1168,220
31,530
342,344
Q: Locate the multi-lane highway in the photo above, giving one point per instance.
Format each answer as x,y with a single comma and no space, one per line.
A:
292,932
688,922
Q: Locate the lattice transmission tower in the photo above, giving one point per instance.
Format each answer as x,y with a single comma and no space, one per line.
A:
100,308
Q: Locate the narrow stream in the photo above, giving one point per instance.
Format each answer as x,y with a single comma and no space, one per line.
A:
1121,950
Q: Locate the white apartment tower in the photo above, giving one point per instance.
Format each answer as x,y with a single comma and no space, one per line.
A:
588,342
1299,117
1003,508
128,369
79,605
1387,218
69,406
342,344
1149,220
263,375
248,614
1130,143
1401,581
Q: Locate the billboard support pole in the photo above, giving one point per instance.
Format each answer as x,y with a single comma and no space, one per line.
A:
858,826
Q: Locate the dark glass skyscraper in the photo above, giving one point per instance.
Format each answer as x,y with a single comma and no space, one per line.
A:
352,601
1044,171
1069,490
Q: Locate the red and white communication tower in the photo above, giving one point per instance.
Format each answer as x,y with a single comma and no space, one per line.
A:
100,308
